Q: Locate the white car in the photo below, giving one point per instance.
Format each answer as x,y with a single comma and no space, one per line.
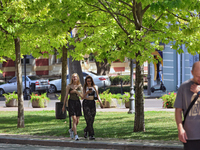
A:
55,85
40,85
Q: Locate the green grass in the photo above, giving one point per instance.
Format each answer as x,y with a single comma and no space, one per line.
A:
158,125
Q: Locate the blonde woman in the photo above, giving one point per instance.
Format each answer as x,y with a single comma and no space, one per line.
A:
90,91
74,89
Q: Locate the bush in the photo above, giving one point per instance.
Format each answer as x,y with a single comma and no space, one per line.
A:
168,100
40,98
106,95
10,96
115,80
117,89
125,97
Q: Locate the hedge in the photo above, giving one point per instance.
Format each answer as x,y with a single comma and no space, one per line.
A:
117,89
115,80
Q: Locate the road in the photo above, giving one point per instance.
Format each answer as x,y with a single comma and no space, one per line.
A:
38,147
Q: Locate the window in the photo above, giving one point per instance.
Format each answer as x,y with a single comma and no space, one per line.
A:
14,79
84,74
34,77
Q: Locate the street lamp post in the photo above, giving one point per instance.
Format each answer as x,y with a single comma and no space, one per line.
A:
149,80
25,94
132,98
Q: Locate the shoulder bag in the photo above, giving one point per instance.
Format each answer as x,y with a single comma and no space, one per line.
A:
190,106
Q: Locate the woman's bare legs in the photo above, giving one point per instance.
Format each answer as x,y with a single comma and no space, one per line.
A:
75,123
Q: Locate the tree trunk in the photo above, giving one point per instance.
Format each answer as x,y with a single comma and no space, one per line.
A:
64,73
20,123
75,67
139,100
103,68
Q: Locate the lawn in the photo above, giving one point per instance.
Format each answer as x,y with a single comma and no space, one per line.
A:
159,125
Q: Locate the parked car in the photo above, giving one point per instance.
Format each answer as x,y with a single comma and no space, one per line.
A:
40,85
55,85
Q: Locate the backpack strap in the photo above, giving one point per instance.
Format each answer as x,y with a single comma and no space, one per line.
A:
190,106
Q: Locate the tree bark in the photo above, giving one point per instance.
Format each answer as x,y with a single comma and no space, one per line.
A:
103,68
64,73
20,123
75,67
139,100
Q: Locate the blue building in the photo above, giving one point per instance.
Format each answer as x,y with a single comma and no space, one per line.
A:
175,68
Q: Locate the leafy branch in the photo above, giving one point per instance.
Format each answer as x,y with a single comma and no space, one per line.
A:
177,16
116,18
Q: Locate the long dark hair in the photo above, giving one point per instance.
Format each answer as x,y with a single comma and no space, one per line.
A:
85,84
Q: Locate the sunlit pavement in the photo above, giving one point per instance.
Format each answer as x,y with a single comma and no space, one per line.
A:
4,146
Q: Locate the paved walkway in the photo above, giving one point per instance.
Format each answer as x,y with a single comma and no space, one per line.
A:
104,143
151,103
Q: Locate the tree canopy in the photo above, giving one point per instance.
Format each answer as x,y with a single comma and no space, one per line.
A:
110,29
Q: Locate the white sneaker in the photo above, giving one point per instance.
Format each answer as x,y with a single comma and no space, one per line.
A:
76,137
71,133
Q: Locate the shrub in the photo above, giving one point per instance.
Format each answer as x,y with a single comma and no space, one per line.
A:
115,80
115,90
10,96
126,96
106,96
168,100
59,97
40,98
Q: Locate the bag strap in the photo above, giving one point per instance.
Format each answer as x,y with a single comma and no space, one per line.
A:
190,106
96,92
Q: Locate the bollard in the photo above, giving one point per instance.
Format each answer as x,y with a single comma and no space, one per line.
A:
104,85
47,92
121,88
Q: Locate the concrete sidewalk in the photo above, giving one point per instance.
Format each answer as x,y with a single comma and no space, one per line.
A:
104,143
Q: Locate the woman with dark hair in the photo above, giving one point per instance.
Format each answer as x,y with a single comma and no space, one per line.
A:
74,89
90,92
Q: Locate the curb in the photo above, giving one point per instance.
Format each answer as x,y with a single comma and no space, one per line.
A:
91,144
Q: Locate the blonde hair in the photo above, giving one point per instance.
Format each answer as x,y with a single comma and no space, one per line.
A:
78,82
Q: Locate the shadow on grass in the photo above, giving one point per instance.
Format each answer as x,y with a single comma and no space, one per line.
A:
108,125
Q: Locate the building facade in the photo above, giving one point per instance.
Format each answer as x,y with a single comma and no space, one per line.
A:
176,67
52,67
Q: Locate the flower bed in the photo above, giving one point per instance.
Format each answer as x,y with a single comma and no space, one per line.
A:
39,101
11,99
168,100
112,100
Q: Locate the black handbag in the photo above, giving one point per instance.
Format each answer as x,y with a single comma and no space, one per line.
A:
190,106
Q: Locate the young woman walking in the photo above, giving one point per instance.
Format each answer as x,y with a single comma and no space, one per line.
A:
90,91
74,89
